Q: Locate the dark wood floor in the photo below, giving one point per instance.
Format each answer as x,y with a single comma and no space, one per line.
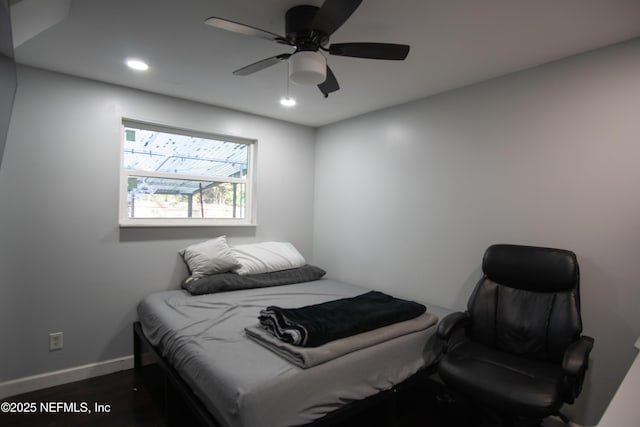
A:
131,403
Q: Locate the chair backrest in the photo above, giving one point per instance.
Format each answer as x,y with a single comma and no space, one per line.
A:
528,301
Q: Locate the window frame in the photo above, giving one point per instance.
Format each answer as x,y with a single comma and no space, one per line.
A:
249,182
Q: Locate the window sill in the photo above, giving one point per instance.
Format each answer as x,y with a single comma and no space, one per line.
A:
150,223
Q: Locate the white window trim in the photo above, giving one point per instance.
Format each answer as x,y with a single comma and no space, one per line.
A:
250,207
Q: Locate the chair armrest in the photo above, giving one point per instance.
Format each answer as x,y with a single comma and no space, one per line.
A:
576,357
450,323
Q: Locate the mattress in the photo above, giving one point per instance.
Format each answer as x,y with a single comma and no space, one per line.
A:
245,385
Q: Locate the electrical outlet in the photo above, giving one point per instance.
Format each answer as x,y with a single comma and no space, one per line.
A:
55,341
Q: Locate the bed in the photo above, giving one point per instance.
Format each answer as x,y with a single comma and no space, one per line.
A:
231,381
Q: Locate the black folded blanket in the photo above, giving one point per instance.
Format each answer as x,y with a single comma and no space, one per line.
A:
318,324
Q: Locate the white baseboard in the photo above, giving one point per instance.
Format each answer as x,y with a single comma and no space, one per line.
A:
51,379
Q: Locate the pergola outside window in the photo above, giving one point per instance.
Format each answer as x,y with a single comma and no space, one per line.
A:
175,177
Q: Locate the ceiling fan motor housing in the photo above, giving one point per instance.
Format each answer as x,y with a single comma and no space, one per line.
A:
298,28
308,28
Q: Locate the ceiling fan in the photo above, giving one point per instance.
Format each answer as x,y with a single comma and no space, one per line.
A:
308,28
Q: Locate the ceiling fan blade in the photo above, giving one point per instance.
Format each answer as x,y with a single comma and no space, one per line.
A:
246,30
261,65
330,84
332,14
389,51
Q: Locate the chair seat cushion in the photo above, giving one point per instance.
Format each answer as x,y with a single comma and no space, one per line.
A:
504,381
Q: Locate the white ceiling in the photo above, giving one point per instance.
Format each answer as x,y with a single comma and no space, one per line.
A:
453,43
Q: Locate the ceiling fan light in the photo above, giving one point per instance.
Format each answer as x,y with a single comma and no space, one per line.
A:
307,68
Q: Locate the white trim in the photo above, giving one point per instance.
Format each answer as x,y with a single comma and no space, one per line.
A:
155,127
250,219
184,222
64,376
181,177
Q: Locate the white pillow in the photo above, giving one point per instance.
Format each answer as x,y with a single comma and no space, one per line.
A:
210,257
266,257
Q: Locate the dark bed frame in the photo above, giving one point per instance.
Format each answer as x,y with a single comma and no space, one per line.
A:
179,401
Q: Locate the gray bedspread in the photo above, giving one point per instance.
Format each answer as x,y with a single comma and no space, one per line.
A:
245,385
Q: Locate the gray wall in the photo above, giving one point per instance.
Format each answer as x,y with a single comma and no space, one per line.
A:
65,265
407,199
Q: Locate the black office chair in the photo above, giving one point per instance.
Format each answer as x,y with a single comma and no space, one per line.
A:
517,350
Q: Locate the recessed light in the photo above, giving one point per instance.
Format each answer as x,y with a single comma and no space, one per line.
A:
137,64
287,101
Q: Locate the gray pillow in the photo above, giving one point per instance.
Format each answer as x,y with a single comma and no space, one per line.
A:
231,281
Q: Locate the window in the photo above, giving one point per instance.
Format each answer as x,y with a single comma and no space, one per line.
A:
172,177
